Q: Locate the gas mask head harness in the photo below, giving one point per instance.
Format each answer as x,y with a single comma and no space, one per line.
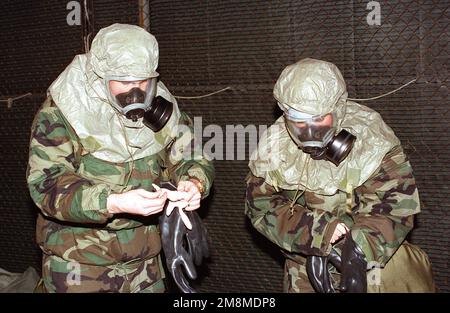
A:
315,135
135,98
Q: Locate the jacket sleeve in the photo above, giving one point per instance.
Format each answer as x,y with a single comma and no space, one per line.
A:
385,212
184,157
52,180
297,230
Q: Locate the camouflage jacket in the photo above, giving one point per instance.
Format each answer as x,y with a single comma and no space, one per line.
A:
71,186
379,212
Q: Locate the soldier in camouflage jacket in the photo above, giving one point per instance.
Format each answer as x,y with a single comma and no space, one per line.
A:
307,202
91,170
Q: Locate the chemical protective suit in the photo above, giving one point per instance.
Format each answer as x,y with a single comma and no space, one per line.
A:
330,176
89,143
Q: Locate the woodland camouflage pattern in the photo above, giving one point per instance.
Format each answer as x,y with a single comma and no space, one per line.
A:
381,216
116,253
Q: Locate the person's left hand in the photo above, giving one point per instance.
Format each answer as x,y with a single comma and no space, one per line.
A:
193,195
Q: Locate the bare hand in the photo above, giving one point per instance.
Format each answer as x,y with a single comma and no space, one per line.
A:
139,202
193,195
339,232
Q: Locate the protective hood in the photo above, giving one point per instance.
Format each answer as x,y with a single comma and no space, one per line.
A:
80,93
311,86
124,50
281,163
317,88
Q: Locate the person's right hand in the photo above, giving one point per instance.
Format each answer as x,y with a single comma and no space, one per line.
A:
339,232
353,267
139,202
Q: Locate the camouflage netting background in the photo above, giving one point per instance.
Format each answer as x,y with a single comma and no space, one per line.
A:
209,45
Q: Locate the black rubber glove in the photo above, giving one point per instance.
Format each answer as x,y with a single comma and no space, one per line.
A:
353,268
197,238
318,273
179,255
173,233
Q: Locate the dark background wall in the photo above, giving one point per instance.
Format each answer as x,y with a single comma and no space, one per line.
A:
209,45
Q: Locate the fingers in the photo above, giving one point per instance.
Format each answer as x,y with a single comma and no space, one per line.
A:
190,188
183,186
333,238
151,202
191,194
187,192
316,269
150,195
137,201
188,265
336,236
194,202
339,232
193,205
156,202
343,229
176,195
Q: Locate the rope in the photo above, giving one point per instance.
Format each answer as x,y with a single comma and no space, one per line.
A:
352,99
11,100
383,95
127,143
204,96
297,196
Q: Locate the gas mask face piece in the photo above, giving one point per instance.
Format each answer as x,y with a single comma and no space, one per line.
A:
136,98
315,135
132,103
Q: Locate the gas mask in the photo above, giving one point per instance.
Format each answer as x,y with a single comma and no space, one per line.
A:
135,98
315,135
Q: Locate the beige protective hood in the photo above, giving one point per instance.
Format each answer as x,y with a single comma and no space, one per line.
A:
80,93
317,87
